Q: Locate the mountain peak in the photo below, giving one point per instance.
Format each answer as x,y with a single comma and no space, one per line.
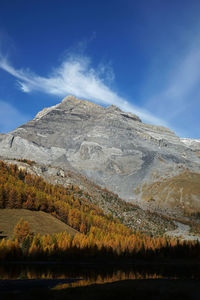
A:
75,105
68,102
70,98
73,100
111,147
113,108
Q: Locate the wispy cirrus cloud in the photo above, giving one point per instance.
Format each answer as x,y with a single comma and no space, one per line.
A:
76,76
184,78
179,97
10,117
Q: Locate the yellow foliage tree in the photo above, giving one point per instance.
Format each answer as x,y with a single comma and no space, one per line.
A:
21,230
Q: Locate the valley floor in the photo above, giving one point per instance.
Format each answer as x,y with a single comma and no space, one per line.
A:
183,232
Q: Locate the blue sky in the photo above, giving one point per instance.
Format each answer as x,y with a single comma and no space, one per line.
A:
143,56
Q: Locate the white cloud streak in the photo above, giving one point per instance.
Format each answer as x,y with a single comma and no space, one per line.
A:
177,101
10,117
76,76
180,87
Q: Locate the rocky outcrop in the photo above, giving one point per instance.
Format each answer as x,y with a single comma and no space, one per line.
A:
191,143
111,147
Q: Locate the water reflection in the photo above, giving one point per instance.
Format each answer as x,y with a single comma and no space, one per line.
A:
91,274
116,276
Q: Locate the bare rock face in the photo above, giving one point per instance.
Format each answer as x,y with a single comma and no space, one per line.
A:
192,143
111,147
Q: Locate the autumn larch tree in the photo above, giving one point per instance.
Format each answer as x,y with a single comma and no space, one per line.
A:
21,230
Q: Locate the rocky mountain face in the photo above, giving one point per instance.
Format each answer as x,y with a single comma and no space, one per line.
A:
115,150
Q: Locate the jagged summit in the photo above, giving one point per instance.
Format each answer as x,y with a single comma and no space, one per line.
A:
111,147
113,108
73,104
72,99
68,103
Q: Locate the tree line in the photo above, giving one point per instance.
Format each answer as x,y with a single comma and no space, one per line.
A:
100,235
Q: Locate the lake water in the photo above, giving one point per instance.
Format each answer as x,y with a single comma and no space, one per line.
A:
102,273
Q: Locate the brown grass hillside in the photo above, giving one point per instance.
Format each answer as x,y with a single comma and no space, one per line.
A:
40,222
180,192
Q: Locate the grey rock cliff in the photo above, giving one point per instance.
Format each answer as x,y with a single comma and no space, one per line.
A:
111,147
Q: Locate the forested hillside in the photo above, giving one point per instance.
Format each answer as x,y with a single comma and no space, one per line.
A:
100,235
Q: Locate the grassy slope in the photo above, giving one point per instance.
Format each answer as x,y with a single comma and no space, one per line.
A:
40,222
180,192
